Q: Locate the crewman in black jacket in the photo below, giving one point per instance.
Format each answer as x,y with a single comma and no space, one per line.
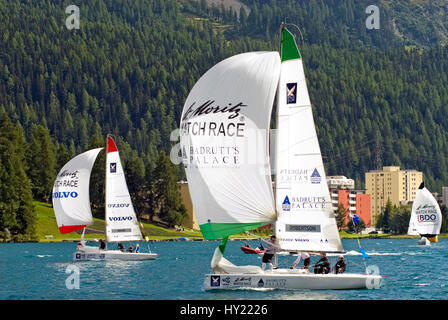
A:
323,265
340,265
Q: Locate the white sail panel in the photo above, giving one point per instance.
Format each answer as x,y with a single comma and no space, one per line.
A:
412,229
426,217
306,219
121,220
224,142
71,201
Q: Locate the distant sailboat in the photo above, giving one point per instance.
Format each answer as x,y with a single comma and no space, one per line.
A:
426,218
71,203
225,149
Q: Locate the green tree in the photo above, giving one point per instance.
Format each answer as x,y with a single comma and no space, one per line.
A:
356,228
62,156
135,179
41,159
444,212
383,219
399,220
341,217
17,211
96,188
165,197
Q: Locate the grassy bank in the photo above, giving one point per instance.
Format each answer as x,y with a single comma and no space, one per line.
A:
47,230
345,235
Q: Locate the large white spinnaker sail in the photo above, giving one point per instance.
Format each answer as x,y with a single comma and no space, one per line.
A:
426,217
121,220
71,201
225,144
305,216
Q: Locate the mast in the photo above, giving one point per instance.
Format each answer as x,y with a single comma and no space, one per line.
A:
282,25
105,187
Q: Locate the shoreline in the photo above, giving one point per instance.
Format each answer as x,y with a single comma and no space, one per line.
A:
186,239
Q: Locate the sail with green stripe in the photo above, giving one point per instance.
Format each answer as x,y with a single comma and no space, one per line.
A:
306,220
225,144
289,49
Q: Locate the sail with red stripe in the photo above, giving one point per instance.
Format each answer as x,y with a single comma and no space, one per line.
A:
121,219
71,201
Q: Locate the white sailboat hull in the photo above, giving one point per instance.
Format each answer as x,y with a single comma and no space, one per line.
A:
424,242
285,280
93,253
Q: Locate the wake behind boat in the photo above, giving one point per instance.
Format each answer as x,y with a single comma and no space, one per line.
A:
231,187
71,203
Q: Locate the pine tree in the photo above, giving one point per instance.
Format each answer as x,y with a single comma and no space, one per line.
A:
97,177
62,156
165,197
41,160
135,178
17,211
444,212
399,221
384,218
341,217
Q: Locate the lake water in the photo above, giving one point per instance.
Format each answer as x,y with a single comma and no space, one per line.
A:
33,271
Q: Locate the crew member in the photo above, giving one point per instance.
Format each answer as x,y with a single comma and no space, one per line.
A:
269,254
323,265
340,265
306,260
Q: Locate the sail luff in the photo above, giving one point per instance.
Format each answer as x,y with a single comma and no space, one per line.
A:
107,227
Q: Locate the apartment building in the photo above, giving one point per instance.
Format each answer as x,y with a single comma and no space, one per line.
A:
400,186
342,191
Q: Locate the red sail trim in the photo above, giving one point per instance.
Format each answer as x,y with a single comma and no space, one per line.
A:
111,147
68,229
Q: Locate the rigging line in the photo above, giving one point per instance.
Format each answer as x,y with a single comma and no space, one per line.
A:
352,262
294,25
139,224
345,155
364,144
358,151
345,158
261,239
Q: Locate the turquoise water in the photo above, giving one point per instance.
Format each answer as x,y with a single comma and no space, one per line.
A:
38,271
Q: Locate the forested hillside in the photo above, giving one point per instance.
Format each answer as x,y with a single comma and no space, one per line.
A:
341,23
380,96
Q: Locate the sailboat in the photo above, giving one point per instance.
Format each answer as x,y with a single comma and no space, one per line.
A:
71,203
225,149
426,217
